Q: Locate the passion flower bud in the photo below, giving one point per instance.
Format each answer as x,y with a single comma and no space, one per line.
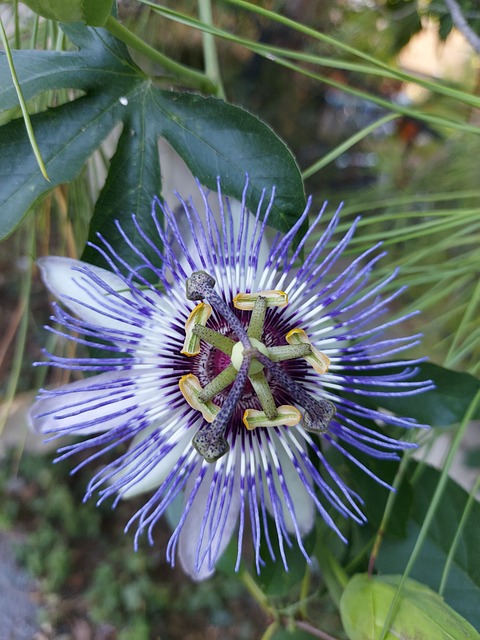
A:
421,614
93,12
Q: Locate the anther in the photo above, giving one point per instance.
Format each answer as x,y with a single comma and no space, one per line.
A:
316,359
247,301
198,317
287,416
318,413
191,389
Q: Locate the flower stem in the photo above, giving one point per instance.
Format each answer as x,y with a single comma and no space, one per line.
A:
193,78
212,67
22,103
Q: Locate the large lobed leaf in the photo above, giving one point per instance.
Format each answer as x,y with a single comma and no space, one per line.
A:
215,139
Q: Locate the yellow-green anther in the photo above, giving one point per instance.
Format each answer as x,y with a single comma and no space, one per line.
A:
255,328
198,317
191,388
262,389
246,301
217,340
318,360
289,352
219,383
287,416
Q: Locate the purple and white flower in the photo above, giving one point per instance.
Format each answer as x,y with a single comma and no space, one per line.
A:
228,375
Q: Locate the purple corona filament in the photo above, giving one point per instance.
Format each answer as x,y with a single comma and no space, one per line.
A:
228,376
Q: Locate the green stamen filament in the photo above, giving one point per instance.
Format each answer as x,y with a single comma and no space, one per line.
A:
217,340
219,383
262,389
255,327
288,352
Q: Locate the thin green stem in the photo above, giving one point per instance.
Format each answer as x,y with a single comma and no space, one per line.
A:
281,56
392,496
272,628
258,594
409,200
467,316
23,104
212,67
436,499
456,540
322,37
334,575
193,78
347,144
313,631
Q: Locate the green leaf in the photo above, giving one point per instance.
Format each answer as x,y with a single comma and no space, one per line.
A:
93,12
445,405
421,614
462,590
132,182
217,139
214,138
66,136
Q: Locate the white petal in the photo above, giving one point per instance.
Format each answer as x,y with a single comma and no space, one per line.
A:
89,406
81,295
189,536
154,478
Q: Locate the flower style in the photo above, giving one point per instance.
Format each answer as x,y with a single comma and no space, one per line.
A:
227,375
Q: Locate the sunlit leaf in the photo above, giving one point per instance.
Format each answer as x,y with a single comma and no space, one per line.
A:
421,614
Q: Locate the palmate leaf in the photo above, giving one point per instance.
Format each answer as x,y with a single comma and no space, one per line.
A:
215,139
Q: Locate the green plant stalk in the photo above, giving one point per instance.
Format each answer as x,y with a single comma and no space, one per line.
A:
276,57
392,496
456,540
23,105
467,316
212,67
471,100
193,78
257,47
334,574
437,496
313,631
430,118
347,144
258,594
407,200
21,337
272,628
